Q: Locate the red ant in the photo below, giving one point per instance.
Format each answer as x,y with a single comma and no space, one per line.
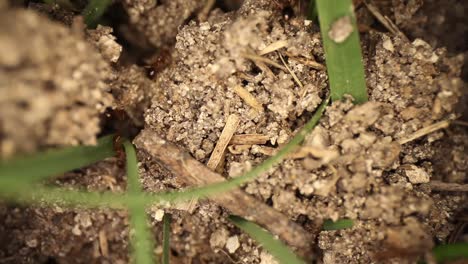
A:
158,63
119,116
119,150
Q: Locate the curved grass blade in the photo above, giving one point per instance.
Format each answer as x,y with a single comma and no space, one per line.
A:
339,224
55,162
12,190
94,10
443,253
166,238
275,247
343,52
141,241
252,174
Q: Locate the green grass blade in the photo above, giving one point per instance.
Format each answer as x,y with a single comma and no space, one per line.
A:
275,247
166,238
11,190
94,10
450,252
252,174
55,162
339,224
142,244
344,60
312,13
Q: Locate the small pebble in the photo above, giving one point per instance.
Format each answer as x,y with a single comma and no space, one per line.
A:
232,244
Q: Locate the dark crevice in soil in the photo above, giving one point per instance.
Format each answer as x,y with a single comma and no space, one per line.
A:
134,45
228,5
117,121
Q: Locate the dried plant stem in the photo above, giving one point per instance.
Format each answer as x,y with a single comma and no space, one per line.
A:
448,187
425,131
274,47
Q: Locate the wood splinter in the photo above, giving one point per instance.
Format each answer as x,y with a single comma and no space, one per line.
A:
193,173
249,139
248,98
230,128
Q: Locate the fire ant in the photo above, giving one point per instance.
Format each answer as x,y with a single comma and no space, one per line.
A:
121,125
119,150
158,63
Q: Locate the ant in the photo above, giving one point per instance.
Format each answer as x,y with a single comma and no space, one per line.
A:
158,63
123,127
119,150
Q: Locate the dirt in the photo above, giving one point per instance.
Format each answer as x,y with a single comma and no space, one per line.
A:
361,162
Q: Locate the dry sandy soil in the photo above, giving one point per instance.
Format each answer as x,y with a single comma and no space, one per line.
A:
178,69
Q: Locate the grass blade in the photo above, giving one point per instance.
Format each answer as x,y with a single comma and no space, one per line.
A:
55,162
450,252
252,174
11,190
312,13
275,247
166,238
142,244
94,10
343,52
339,224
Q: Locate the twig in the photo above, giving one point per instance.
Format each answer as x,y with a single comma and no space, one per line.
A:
193,173
448,187
249,139
425,131
248,98
230,128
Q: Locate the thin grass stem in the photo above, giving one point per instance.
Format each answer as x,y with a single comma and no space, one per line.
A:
274,246
338,225
94,10
141,240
